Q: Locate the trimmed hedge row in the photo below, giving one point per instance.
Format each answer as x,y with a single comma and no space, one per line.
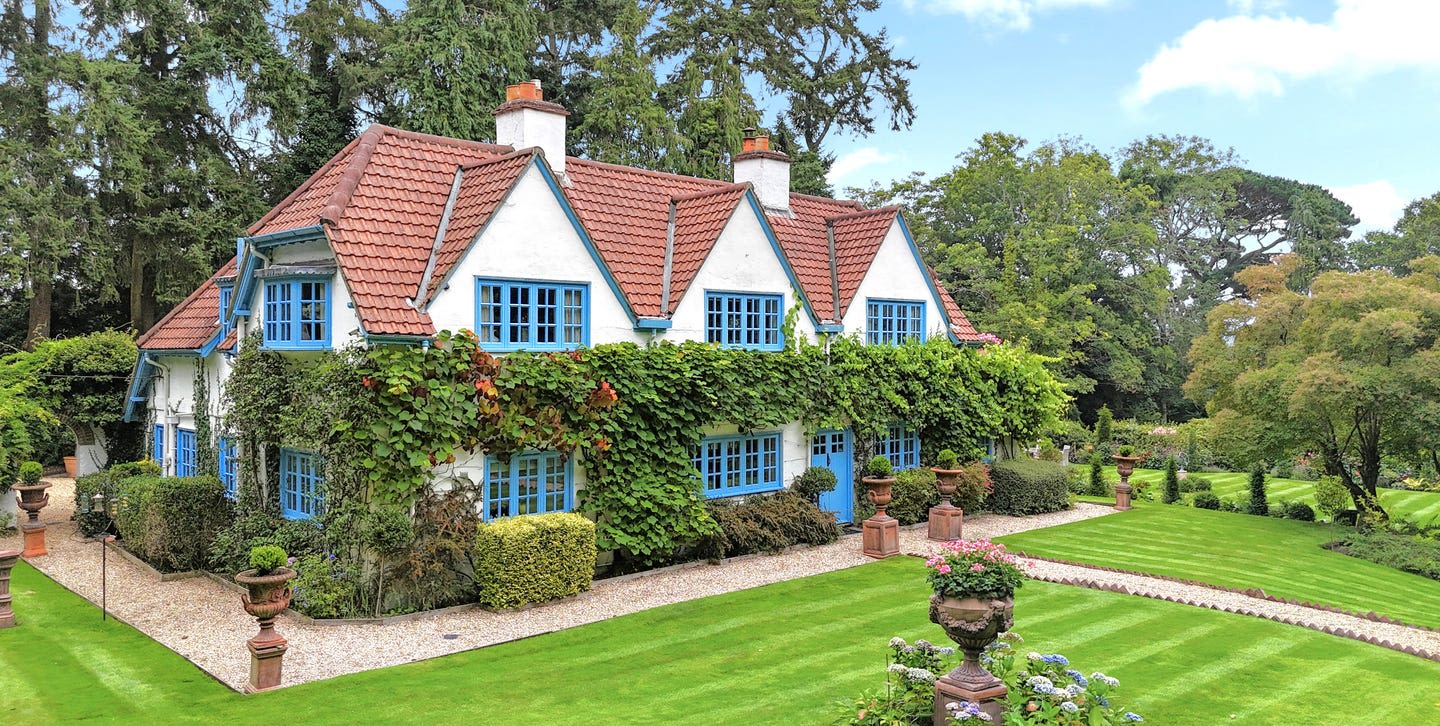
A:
108,482
533,559
766,523
1027,486
171,521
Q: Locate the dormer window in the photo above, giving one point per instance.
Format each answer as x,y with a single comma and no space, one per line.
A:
743,320
524,315
227,293
297,313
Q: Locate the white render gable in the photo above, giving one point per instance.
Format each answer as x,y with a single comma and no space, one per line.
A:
530,237
895,274
742,260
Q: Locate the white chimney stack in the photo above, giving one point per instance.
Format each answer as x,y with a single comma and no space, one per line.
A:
526,119
766,170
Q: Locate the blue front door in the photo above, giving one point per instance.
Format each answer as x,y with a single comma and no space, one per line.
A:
831,449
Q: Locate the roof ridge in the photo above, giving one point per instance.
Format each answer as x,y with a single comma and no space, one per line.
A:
642,170
144,337
889,209
843,202
350,178
527,151
727,189
310,181
448,140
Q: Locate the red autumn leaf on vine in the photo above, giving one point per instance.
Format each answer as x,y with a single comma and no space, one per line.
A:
367,381
486,388
602,444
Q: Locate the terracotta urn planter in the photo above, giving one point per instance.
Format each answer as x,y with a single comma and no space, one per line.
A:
946,520
973,622
8,558
72,466
268,597
880,534
1124,466
33,498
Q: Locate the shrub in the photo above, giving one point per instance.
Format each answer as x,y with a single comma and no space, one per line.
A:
1104,420
813,482
1331,497
879,467
1172,483
170,522
1098,486
1299,511
107,481
1257,505
326,588
266,559
1193,483
947,459
30,472
1413,554
229,551
532,559
1207,500
766,523
1230,505
1027,487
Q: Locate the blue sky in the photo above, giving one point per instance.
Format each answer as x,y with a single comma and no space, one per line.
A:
1341,93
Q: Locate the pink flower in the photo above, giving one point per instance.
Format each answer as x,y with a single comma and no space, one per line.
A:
977,567
943,569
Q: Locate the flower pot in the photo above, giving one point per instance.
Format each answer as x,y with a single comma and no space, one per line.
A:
973,622
946,481
1125,465
268,597
33,498
72,466
878,491
269,594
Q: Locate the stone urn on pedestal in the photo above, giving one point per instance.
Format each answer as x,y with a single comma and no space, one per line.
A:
32,499
974,602
946,519
269,586
880,534
1125,466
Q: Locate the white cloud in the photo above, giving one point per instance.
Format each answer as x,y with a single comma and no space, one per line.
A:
856,160
1376,203
1248,55
1005,14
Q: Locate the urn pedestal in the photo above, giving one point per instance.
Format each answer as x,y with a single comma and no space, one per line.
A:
1124,466
8,558
946,519
880,534
33,498
973,623
268,597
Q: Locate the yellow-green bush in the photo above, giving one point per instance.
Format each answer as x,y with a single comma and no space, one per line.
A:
524,560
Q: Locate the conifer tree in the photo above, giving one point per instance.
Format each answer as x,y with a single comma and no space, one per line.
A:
1172,482
1258,505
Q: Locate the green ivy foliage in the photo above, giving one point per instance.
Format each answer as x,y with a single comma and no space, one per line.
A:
385,418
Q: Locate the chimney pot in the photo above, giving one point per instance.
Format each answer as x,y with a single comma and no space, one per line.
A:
526,119
527,91
766,170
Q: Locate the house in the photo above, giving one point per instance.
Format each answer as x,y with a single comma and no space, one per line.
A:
402,234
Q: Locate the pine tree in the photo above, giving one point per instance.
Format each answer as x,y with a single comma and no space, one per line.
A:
1103,422
1172,482
621,119
1098,487
1258,505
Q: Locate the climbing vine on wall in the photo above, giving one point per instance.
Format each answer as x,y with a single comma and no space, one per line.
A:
385,418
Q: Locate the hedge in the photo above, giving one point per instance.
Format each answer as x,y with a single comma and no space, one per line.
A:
911,497
171,521
532,559
766,523
1027,486
106,481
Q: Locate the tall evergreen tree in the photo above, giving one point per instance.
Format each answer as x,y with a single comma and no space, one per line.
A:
621,120
1258,504
1171,494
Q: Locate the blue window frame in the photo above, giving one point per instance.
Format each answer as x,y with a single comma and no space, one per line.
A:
535,482
226,291
901,447
300,484
297,313
891,322
228,466
157,445
744,320
184,452
741,464
519,315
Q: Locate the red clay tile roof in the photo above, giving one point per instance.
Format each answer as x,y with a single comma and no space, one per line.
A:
699,219
857,238
383,196
193,322
960,325
482,187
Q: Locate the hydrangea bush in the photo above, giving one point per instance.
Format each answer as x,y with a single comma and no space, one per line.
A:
909,693
969,568
1046,690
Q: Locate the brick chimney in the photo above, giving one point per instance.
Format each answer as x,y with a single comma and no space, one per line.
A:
526,119
768,171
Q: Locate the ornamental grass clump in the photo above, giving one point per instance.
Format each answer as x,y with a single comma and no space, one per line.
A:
974,568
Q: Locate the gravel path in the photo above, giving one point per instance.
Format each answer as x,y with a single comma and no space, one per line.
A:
202,619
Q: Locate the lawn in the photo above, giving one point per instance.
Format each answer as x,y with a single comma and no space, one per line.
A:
1419,507
1283,557
782,654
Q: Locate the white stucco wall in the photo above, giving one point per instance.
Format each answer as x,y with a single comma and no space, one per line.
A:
895,275
172,398
743,260
530,238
